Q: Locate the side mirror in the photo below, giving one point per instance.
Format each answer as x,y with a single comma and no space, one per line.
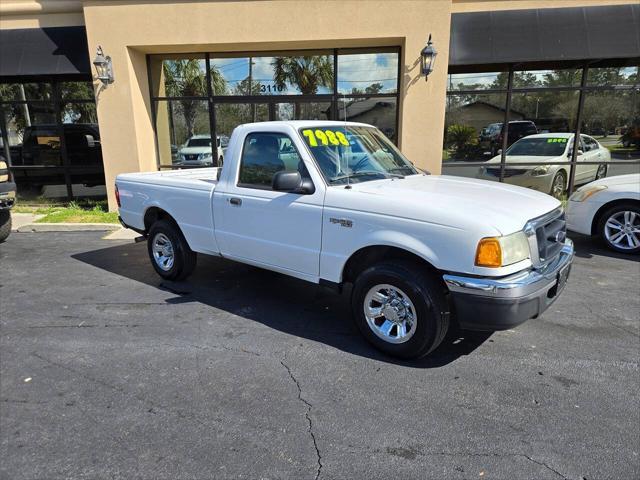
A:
292,182
580,152
499,151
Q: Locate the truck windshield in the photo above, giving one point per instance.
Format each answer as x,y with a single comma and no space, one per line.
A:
352,154
539,147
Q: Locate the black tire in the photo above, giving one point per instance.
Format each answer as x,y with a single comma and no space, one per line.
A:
183,258
425,292
220,161
556,193
5,224
614,211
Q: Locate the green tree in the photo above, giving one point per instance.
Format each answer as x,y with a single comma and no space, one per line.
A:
307,73
186,78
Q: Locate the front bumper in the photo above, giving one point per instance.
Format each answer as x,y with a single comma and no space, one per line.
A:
7,195
541,183
498,304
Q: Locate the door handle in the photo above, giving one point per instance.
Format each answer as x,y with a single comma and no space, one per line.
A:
235,201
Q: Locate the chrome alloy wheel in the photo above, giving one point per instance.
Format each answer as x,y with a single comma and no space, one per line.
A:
390,313
163,252
622,230
557,189
602,172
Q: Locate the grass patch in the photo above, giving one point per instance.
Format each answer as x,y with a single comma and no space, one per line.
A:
85,212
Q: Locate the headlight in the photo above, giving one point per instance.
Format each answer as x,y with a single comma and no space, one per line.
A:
541,170
585,192
204,156
494,252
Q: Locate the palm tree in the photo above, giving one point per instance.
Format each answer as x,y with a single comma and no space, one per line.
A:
186,78
308,73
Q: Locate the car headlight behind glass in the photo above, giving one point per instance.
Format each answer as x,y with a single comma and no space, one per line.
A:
541,170
494,252
585,192
204,156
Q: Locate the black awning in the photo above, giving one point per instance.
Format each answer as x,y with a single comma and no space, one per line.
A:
33,52
545,35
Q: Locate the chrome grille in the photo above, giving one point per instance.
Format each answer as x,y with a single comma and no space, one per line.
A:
546,236
508,172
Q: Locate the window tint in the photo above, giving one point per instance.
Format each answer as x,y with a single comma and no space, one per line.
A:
265,154
589,143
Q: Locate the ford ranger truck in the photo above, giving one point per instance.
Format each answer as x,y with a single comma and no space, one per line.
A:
335,203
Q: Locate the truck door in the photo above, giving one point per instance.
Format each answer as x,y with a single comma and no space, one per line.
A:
255,223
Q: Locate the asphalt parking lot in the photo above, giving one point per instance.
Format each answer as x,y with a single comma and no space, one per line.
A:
108,372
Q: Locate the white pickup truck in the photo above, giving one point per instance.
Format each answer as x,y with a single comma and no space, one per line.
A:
336,203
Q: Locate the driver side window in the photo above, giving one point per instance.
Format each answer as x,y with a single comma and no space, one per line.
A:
263,155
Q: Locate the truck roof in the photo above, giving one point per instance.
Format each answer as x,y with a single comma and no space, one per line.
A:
307,123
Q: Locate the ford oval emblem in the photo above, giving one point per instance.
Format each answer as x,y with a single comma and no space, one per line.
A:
561,236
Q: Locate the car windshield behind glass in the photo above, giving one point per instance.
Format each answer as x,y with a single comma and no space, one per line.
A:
199,142
352,154
539,147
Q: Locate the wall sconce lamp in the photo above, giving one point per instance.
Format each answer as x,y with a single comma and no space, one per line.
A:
427,59
104,67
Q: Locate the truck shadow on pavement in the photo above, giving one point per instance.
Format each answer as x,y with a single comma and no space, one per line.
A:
277,301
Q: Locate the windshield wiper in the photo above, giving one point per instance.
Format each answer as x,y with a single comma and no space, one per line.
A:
365,173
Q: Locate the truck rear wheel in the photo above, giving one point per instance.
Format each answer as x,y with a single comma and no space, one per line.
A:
400,309
169,252
5,224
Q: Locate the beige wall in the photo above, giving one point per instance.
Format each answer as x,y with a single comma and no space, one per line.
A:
40,13
129,30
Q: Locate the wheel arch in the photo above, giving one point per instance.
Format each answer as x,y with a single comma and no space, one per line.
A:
154,213
603,208
369,255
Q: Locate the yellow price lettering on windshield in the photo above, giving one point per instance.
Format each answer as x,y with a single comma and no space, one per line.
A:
556,140
318,137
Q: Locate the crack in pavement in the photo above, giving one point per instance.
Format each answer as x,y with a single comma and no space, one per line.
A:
307,416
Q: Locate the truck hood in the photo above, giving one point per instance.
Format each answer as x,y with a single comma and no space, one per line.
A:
456,202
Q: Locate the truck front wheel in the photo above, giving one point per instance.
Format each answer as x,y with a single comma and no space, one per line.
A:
400,309
169,252
5,224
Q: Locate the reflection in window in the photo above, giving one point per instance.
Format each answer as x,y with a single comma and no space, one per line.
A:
613,118
614,76
377,111
473,126
551,111
178,77
293,75
177,122
25,91
230,115
547,78
362,73
79,112
76,91
230,76
477,81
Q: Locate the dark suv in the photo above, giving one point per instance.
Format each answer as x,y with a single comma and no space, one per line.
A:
492,136
7,199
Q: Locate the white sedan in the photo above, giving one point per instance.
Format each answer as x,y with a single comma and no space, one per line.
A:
610,209
548,149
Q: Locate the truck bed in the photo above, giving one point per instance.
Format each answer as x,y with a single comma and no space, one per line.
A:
194,178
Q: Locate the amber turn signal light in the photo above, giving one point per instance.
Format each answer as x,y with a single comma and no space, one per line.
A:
489,253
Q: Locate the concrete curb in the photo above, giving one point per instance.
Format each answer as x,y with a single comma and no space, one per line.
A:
68,227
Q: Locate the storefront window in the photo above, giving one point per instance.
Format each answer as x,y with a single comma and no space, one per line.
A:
378,111
245,88
183,76
230,76
184,134
614,76
293,75
477,81
25,91
367,73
